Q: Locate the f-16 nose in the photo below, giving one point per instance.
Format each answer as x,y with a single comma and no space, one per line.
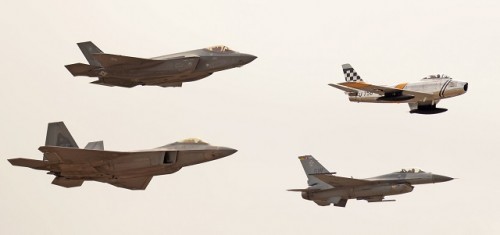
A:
440,178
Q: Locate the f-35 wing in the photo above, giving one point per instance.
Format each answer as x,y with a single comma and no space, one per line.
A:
338,181
388,91
120,62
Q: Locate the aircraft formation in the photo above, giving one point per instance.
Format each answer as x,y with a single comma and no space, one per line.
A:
134,170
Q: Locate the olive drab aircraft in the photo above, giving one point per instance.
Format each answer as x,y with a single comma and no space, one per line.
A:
131,170
325,188
421,96
164,71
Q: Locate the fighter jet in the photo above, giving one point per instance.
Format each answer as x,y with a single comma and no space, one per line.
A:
422,96
164,71
131,170
325,188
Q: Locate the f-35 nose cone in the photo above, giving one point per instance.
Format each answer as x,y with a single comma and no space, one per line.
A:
247,58
440,178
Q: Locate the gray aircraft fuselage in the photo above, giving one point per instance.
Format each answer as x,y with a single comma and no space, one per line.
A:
325,188
384,185
132,170
166,71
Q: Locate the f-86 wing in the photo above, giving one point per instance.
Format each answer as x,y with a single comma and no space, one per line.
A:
389,92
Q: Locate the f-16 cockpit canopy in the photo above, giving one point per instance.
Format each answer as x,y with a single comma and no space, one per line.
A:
220,49
437,76
411,170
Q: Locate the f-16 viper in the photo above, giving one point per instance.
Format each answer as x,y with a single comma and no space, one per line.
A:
132,170
325,188
422,96
164,71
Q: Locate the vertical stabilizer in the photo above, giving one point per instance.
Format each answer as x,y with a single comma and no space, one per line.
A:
88,48
312,166
58,135
97,145
350,74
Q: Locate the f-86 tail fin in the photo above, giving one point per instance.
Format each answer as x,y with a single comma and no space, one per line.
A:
350,74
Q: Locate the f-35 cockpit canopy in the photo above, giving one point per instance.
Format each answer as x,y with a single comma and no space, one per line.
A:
437,76
220,49
411,170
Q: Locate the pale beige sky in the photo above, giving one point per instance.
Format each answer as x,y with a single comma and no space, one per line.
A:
272,110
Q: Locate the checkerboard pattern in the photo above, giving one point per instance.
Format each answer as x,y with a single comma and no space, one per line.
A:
351,75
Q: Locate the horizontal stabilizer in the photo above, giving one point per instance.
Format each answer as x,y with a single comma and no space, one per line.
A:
303,190
344,88
97,145
31,163
67,183
80,69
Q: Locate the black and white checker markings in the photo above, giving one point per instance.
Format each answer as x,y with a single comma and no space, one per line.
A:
351,75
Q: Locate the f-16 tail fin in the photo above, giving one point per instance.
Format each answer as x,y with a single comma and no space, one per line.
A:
97,145
313,167
88,48
58,135
350,74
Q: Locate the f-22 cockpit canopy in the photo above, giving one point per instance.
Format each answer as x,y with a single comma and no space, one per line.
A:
411,170
437,76
220,49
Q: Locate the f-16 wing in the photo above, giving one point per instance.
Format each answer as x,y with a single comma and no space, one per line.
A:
388,91
338,181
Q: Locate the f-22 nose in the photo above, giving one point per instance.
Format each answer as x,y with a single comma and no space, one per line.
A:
224,152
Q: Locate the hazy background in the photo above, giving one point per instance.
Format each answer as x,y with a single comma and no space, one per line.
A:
272,110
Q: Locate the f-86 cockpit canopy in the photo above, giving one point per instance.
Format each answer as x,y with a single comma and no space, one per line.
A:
220,49
411,170
437,76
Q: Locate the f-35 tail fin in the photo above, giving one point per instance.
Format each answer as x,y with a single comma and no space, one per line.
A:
350,74
58,135
313,167
88,48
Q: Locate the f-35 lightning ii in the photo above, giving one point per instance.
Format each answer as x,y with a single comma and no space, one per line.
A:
422,96
325,188
131,170
164,71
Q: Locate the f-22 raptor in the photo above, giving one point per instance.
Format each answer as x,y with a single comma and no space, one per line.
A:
325,188
164,71
131,170
422,96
